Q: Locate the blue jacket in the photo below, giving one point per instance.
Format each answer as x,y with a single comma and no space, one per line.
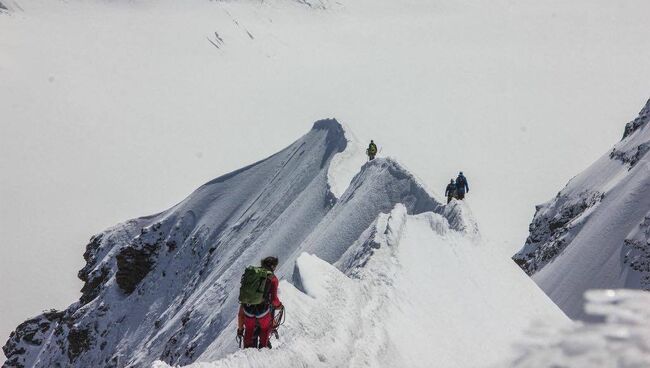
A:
461,184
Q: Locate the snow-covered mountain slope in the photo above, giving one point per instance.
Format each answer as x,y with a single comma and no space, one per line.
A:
160,287
596,232
411,292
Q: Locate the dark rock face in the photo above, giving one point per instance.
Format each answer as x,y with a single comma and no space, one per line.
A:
93,285
29,333
553,227
93,279
639,122
133,265
637,251
90,256
630,157
633,149
78,341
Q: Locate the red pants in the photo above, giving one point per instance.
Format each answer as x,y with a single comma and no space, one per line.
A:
263,325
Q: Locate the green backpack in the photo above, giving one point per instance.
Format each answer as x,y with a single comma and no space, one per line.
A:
253,285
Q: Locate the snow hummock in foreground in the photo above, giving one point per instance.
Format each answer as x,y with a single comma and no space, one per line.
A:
410,292
621,341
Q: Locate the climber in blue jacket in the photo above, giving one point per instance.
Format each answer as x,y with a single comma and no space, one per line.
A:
461,186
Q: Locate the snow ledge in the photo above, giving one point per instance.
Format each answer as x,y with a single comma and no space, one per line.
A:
345,165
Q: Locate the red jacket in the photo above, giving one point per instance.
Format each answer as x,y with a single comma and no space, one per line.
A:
273,293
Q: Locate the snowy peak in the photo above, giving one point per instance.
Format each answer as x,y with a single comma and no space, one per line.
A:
154,284
345,165
599,218
161,287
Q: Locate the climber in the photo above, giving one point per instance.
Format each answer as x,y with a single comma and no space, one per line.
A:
450,192
372,150
258,297
461,186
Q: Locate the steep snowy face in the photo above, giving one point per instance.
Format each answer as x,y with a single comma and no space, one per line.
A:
161,287
596,232
410,292
155,286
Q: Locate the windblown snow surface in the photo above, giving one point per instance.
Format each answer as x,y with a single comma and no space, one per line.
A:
382,275
595,234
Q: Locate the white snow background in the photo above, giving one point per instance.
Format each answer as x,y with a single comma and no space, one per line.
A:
115,109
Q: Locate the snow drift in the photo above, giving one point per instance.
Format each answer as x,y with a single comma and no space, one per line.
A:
595,234
160,287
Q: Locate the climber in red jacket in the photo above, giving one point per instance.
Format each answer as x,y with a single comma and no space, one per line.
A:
255,321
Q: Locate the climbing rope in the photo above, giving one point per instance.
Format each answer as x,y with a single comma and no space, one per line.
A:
278,320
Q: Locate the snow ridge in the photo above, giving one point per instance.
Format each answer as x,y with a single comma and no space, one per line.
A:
420,279
345,165
155,286
160,287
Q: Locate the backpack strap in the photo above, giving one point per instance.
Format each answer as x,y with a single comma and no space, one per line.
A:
267,290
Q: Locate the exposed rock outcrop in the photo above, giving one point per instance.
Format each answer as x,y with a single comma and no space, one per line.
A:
593,234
